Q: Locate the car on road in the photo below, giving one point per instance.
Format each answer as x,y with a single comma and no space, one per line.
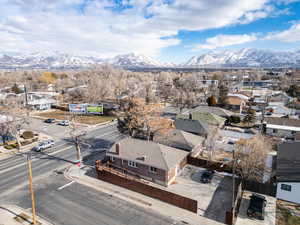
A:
49,120
207,176
64,123
43,145
256,208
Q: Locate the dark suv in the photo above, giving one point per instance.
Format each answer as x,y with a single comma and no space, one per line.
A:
49,120
256,208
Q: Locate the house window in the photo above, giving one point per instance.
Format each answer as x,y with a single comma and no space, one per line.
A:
274,131
132,164
286,187
112,158
152,169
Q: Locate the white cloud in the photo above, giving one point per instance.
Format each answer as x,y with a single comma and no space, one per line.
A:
290,35
92,27
225,40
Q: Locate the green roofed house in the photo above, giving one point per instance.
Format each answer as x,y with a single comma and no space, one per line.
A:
205,117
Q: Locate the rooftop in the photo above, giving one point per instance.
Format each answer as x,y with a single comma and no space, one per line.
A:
288,162
148,153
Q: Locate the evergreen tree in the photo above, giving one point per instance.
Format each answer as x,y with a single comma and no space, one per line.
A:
250,116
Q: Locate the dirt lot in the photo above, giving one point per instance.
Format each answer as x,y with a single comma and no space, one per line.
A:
63,115
287,213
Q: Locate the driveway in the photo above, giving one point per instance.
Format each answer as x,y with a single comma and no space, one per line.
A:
270,211
214,199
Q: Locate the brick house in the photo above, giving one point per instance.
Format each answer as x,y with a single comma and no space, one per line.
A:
147,160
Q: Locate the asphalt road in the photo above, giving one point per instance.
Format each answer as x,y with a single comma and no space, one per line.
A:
74,204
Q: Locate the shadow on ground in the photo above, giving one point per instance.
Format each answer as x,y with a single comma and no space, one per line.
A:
221,201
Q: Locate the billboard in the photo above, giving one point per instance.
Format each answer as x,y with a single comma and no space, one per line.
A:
77,108
94,109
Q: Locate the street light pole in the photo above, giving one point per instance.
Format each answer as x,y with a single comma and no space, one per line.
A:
31,189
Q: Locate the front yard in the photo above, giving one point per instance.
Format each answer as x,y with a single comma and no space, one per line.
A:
287,213
85,119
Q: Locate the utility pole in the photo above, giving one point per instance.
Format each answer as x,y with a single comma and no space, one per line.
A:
31,189
233,186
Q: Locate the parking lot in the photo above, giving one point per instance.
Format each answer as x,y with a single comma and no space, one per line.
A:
214,198
52,129
270,211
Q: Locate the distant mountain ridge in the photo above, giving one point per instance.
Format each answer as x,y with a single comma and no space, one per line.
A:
245,58
227,58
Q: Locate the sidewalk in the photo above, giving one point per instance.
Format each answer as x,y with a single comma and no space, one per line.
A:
78,174
5,153
14,215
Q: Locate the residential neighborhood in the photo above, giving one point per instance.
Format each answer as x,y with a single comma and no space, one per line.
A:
197,161
149,112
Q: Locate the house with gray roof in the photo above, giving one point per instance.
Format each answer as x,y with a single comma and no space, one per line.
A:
147,160
288,171
192,126
181,139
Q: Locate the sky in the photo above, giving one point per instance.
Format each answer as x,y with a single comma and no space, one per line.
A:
167,30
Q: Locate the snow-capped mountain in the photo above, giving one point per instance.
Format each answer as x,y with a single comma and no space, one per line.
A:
135,60
245,58
47,60
57,60
228,58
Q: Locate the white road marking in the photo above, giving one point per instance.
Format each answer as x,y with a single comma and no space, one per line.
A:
66,185
34,159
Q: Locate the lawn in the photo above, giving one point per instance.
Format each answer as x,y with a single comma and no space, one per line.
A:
287,213
85,119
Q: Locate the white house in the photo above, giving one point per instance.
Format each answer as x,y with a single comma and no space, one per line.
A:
288,172
278,108
41,104
282,127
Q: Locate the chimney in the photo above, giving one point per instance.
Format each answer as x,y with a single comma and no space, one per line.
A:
117,148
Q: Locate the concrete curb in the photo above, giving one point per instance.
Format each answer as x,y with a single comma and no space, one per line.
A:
106,190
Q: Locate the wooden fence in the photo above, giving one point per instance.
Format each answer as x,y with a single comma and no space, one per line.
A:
143,188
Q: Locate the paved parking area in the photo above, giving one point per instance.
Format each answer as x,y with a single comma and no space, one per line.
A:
214,199
270,211
53,130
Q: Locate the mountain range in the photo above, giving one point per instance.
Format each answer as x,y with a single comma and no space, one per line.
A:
227,58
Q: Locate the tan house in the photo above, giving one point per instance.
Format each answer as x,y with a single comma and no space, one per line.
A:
235,103
147,160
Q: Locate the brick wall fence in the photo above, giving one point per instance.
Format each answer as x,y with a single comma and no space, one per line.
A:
107,175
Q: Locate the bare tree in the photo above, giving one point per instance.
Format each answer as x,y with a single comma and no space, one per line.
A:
210,142
250,157
17,115
137,117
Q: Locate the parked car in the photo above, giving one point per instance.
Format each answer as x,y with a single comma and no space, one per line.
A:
64,123
207,176
43,145
256,208
49,120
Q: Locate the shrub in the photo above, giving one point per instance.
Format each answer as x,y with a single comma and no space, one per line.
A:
234,119
27,135
11,146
